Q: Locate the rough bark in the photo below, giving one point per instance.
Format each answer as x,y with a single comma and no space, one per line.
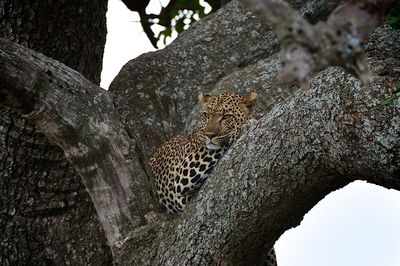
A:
46,216
302,148
79,117
307,48
305,143
73,32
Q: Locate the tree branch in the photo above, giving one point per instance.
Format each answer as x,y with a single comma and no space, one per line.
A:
80,118
140,7
337,42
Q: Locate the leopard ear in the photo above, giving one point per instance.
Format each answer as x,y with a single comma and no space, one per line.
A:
203,98
250,99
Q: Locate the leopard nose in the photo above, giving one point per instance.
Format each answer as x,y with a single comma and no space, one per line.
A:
211,135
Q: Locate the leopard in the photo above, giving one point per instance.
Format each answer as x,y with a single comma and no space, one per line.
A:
182,165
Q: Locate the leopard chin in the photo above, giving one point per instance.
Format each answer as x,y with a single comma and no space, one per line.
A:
213,146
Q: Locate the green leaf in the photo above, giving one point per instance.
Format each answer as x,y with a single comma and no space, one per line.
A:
164,34
180,24
177,18
201,11
393,18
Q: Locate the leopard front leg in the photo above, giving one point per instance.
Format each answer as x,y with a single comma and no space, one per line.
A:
194,171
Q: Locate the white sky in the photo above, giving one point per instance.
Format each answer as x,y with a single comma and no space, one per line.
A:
355,226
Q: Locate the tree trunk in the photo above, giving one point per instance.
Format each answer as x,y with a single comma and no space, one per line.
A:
46,215
306,142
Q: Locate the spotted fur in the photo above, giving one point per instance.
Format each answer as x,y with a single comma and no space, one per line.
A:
183,164
270,259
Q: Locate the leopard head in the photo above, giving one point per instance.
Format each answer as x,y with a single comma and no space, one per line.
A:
224,116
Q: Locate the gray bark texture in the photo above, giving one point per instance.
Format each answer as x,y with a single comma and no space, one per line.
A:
46,215
304,142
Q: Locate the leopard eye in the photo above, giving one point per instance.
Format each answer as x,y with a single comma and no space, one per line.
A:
227,116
